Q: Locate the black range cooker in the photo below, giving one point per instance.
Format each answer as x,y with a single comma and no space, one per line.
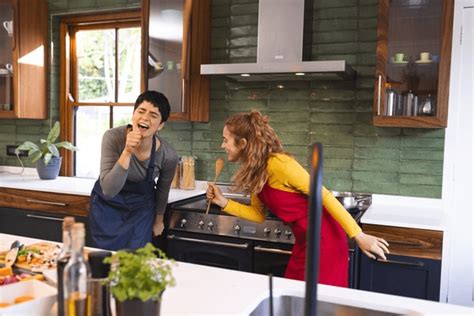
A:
221,240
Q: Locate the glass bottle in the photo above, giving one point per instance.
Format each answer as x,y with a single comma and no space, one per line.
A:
77,299
62,260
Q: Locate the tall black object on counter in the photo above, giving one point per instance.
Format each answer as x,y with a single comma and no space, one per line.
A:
314,230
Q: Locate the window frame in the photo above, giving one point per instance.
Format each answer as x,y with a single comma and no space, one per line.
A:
68,90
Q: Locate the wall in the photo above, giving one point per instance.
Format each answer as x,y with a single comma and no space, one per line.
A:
358,156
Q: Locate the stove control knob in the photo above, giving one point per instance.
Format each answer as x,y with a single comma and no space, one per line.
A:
201,224
237,229
183,223
210,225
288,233
277,232
266,231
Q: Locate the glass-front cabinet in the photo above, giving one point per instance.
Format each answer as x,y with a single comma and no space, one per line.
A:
413,62
6,57
23,58
176,43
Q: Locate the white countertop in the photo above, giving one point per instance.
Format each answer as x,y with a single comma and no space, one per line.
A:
202,290
29,180
401,211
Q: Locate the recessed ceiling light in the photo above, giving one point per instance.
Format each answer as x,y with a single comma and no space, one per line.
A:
299,73
245,75
280,86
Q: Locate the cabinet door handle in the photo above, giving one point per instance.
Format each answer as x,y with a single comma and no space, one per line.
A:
45,217
379,92
46,202
272,250
209,242
404,263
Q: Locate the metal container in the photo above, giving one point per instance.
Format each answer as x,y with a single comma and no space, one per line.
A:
352,200
391,100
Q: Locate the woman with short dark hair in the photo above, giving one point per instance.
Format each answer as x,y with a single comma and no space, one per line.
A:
127,203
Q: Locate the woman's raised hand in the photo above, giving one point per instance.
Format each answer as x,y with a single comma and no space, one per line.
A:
372,246
134,139
215,195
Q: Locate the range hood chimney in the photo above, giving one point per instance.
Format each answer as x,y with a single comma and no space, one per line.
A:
280,49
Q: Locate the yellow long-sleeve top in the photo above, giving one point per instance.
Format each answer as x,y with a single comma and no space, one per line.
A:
286,174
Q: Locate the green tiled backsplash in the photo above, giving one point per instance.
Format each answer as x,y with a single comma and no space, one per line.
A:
358,156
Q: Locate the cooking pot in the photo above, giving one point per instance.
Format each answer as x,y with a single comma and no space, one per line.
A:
352,200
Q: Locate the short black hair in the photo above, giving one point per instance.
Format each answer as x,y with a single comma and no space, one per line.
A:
158,99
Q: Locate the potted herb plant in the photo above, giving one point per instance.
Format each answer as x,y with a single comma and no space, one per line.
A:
46,153
138,279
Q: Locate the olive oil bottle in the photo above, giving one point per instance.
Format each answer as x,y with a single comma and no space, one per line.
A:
63,259
76,276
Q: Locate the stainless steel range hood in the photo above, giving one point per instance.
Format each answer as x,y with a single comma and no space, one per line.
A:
280,49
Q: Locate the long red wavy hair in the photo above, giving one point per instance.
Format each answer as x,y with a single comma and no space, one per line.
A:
262,142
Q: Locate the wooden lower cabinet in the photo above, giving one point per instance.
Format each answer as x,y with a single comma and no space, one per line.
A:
413,267
33,224
39,214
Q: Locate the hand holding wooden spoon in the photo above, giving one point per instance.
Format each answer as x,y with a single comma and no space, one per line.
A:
219,167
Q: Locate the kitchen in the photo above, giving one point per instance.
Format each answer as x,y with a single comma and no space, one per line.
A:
359,157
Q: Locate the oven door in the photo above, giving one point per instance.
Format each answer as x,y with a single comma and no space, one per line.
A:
210,250
271,258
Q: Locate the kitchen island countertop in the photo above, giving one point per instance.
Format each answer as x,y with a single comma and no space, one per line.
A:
215,291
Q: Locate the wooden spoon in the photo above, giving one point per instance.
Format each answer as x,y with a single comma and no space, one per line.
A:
219,167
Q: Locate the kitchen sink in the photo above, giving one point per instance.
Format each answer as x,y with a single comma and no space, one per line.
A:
293,305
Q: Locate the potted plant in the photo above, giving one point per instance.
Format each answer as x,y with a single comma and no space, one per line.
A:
46,153
138,279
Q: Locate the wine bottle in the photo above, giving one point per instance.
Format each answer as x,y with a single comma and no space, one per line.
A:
77,299
62,260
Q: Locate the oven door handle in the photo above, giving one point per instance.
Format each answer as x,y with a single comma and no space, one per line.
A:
272,250
209,242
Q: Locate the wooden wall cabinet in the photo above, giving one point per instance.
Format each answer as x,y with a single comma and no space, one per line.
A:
176,37
413,267
413,63
23,59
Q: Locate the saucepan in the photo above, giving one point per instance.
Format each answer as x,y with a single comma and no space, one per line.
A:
352,200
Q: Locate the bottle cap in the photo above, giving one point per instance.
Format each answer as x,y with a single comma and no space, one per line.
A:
99,269
68,221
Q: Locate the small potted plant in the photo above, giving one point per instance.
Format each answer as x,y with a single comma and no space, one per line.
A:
138,279
46,153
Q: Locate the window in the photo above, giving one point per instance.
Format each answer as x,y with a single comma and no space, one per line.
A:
103,78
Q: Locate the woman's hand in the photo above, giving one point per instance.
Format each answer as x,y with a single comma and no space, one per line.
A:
214,194
158,226
133,141
372,245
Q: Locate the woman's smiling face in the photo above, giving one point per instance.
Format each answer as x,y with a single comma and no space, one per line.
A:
233,150
147,119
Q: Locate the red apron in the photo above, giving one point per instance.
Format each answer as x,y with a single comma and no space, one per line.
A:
292,208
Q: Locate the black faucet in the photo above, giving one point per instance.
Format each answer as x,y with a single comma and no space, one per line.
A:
314,230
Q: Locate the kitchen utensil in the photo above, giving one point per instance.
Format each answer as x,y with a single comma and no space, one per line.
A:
12,254
351,200
219,166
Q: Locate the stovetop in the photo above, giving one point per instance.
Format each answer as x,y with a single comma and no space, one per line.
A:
190,216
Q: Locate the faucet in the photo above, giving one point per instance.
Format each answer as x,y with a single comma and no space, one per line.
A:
314,230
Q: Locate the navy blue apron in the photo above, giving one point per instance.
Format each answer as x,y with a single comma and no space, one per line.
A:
126,220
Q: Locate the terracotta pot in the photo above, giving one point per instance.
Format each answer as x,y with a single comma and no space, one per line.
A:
137,307
49,171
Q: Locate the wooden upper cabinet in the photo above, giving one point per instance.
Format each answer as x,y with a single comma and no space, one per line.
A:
176,35
413,63
23,59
